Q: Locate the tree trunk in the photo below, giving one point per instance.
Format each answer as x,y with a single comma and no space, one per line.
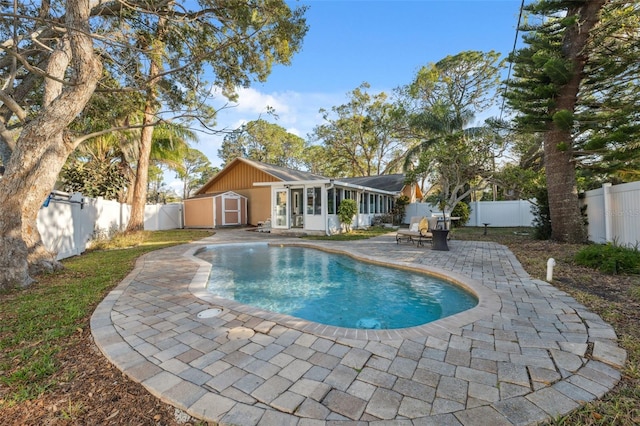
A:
40,152
566,220
136,220
39,258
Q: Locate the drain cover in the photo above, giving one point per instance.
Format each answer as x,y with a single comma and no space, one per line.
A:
210,313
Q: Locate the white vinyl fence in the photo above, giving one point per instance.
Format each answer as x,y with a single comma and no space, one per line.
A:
68,222
614,214
501,213
494,213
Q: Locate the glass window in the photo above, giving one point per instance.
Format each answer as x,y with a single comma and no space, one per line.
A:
310,200
331,201
317,206
314,201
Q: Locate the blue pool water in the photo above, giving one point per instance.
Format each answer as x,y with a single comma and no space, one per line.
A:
329,288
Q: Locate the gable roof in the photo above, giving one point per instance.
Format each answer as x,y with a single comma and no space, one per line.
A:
391,183
283,173
269,172
272,173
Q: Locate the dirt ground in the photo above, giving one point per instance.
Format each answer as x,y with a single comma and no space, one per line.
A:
91,391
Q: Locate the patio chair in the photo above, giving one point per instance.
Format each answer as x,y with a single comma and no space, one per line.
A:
264,226
434,223
418,231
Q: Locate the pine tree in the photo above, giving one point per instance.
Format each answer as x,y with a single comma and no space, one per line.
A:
548,73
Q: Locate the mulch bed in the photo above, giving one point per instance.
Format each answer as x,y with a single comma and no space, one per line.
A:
91,391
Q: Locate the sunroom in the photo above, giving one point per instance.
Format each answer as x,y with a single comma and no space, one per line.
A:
311,207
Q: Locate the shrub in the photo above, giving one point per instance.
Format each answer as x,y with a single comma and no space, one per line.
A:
381,219
399,209
347,209
610,258
462,211
542,217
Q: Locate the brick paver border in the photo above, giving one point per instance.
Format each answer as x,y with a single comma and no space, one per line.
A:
526,353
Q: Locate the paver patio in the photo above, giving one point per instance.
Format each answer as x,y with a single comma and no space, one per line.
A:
526,353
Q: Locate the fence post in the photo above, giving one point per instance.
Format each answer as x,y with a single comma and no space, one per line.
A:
608,214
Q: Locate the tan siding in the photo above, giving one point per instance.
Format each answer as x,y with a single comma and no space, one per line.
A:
413,192
240,179
198,213
241,176
218,218
258,204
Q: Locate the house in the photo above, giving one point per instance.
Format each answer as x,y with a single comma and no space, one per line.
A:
293,200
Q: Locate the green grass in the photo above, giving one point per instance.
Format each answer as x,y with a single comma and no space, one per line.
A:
37,322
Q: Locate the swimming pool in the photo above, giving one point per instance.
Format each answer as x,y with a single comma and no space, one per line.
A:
330,288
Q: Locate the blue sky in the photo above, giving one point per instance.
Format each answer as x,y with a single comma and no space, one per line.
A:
382,42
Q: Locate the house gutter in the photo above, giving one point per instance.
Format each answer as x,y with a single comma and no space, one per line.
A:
293,182
366,188
326,221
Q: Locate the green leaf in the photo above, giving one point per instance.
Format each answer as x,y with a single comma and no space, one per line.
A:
558,71
563,119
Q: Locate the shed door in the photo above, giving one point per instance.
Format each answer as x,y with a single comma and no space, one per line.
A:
231,214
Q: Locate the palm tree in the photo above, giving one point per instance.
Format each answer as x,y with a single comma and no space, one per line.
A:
454,158
432,126
120,149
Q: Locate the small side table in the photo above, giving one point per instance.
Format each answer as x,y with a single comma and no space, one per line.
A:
440,239
485,228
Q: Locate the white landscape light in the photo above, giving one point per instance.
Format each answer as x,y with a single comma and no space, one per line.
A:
550,264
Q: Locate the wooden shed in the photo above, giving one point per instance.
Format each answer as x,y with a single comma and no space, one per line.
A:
215,210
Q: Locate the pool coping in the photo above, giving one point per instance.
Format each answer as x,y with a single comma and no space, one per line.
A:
488,300
507,367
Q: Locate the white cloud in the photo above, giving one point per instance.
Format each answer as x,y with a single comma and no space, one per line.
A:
296,112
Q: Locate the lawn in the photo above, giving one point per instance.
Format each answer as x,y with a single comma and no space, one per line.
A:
45,336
